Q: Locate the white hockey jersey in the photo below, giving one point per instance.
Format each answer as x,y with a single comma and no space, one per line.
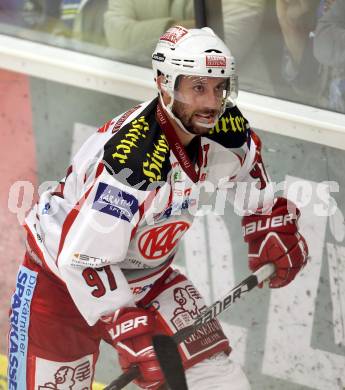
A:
115,221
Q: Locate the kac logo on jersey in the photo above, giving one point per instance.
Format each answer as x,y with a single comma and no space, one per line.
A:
113,201
159,241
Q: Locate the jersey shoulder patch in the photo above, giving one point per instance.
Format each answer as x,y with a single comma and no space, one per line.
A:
138,153
231,130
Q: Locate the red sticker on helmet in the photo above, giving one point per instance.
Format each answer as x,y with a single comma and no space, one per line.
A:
215,61
174,34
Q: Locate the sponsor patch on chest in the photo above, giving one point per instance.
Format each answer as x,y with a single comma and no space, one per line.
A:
116,202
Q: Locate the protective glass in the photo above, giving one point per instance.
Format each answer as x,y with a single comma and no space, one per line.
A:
200,100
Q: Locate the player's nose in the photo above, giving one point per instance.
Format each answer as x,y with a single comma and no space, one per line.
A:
212,100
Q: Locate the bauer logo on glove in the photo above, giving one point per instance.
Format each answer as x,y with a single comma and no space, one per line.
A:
275,239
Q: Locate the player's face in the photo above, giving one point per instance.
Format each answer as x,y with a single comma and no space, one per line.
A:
198,102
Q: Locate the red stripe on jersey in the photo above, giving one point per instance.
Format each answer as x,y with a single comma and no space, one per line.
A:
105,127
241,160
75,211
34,246
170,197
59,190
69,171
31,369
61,186
159,286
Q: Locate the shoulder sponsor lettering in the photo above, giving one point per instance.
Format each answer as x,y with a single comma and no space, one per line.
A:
152,166
229,123
116,202
138,129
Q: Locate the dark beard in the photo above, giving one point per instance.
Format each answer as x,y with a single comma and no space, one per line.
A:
185,120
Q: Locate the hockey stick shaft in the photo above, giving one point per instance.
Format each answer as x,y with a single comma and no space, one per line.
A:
124,379
213,311
228,300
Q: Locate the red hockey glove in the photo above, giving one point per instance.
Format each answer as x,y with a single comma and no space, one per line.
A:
131,331
274,238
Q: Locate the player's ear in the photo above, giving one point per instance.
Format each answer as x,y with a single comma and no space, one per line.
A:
161,81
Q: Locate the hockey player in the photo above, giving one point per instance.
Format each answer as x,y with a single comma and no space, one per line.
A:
100,245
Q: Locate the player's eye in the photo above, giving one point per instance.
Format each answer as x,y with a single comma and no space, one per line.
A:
199,88
221,87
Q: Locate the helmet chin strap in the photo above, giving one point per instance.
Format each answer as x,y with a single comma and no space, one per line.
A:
168,109
208,125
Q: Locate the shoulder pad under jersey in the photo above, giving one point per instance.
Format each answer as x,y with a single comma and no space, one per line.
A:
231,130
138,153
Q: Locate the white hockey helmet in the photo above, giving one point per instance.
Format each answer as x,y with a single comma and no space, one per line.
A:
194,52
